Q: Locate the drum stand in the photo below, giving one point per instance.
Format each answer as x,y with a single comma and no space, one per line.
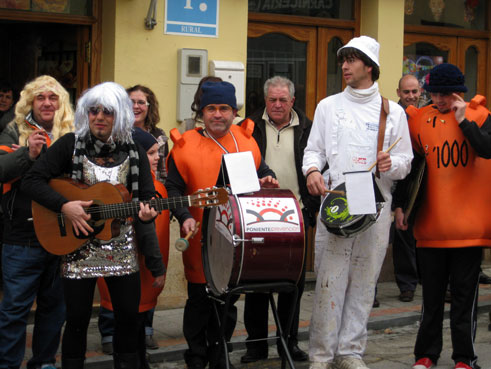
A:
268,288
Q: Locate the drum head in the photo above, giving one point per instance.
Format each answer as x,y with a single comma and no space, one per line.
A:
337,219
218,250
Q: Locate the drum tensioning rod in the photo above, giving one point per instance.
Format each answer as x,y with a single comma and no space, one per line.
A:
256,240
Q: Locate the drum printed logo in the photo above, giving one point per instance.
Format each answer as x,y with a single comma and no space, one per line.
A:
224,220
270,214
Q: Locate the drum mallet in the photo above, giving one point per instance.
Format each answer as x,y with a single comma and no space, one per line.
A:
386,151
336,192
182,244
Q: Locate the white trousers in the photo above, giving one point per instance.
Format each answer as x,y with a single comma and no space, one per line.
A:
347,271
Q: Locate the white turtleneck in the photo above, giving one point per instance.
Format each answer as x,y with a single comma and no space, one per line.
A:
344,134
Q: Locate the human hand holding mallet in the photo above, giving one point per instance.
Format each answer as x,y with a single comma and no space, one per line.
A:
182,244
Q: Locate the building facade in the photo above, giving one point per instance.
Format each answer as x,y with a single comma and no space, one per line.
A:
85,42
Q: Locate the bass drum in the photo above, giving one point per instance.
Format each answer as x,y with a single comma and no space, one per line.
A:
335,216
252,239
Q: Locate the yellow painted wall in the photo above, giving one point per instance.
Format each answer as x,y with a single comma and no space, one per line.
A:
384,20
149,57
133,55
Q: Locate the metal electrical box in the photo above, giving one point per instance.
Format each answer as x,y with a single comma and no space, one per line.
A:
233,72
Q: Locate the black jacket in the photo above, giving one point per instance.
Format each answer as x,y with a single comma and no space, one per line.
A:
300,136
16,204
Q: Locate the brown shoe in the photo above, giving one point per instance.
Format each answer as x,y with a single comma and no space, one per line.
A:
406,296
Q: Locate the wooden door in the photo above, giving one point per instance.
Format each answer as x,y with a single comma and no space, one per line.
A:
422,52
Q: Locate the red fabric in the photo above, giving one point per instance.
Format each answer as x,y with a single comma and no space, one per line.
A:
427,363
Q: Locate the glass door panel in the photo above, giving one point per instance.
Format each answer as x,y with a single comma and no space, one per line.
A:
330,78
271,55
287,51
473,63
422,53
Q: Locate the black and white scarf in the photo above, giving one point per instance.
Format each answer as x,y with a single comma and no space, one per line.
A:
94,148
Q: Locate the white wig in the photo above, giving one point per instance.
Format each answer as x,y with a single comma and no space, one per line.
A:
111,96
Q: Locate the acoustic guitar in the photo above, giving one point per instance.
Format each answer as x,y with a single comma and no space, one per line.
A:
111,204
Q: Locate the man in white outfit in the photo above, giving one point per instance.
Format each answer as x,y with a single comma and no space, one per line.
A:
344,135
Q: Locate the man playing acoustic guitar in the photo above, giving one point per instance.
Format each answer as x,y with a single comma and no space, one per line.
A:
42,115
102,149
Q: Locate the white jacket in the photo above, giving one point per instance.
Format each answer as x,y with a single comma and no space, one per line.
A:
344,134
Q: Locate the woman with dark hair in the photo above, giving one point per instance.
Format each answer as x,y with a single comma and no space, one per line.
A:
146,110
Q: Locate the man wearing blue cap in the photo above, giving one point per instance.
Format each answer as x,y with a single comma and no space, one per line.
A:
348,134
195,163
452,223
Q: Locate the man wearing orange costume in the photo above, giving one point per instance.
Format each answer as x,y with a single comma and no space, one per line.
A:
195,163
452,224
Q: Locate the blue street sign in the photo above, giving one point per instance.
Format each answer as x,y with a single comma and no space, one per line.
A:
191,17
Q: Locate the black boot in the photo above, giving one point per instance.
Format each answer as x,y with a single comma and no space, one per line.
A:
72,363
126,361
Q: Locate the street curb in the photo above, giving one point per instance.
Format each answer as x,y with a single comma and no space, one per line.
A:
176,352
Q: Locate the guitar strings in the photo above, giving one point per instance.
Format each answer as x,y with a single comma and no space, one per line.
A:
108,210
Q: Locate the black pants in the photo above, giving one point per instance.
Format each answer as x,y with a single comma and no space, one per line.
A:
79,295
404,257
201,327
437,266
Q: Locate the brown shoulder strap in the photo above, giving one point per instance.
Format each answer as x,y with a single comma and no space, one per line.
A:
384,111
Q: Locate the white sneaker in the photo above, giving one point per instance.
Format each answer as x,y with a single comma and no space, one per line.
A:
349,362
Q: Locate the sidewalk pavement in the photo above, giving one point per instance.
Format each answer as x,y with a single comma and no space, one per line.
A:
168,324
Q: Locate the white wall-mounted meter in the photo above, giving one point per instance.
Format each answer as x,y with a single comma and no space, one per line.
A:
233,72
192,65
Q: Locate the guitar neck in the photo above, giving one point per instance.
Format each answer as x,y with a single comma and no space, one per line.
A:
128,209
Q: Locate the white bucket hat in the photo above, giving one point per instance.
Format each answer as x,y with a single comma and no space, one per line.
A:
367,45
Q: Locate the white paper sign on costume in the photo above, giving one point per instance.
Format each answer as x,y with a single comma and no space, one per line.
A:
270,214
360,193
242,172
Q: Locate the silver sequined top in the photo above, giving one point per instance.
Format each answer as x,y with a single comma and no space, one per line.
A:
97,258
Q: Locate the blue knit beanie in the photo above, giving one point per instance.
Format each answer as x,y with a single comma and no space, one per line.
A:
218,93
143,138
445,78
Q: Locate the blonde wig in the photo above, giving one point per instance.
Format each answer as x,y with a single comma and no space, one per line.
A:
113,97
63,119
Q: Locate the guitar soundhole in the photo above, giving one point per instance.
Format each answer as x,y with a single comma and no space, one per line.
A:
96,227
94,214
95,222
